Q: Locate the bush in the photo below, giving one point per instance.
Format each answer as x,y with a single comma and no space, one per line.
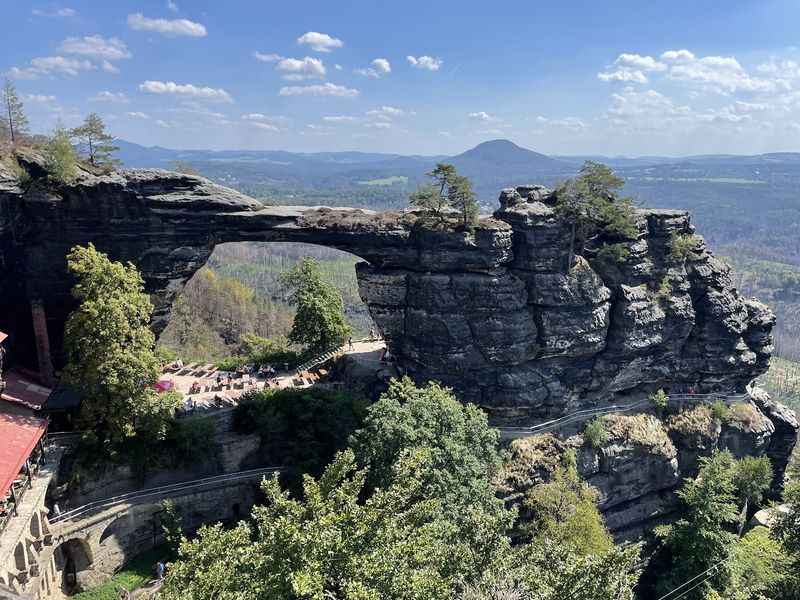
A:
719,410
595,433
300,430
231,363
613,253
659,400
682,245
60,158
260,351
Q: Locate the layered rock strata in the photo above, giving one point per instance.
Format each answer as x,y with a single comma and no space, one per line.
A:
497,312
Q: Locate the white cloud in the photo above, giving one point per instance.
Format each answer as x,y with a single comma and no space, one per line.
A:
380,125
264,126
51,65
186,90
139,22
116,97
296,69
58,12
379,68
482,116
646,111
723,74
339,119
749,107
326,89
425,62
637,61
677,56
387,113
267,58
97,47
137,115
172,6
162,123
39,99
264,122
108,67
337,67
623,75
320,42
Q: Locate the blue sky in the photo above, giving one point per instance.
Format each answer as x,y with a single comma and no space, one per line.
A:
569,77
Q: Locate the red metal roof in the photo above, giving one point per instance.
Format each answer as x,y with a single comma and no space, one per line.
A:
19,435
23,390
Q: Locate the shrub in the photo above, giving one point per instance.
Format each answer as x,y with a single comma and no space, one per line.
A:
60,158
640,430
595,433
231,363
300,429
659,400
613,253
719,410
682,245
260,351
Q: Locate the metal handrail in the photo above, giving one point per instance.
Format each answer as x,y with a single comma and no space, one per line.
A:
175,487
589,412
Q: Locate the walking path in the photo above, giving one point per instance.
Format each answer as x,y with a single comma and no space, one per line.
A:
589,413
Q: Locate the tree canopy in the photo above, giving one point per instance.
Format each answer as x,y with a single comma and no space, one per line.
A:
110,349
448,191
96,141
592,206
319,323
15,122
60,158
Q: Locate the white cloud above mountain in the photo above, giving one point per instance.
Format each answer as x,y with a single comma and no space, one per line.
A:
186,90
169,27
325,89
319,42
379,67
298,69
429,63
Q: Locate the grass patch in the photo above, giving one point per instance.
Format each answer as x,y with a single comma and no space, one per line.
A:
530,461
640,430
132,576
694,422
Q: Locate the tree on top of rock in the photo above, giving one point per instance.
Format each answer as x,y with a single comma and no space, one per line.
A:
95,141
15,123
319,323
591,205
448,191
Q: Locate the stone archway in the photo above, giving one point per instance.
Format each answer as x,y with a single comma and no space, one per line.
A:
72,557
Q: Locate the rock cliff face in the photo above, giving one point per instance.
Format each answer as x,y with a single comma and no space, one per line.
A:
496,313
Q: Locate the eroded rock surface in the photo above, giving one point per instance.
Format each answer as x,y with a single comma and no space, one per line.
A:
496,313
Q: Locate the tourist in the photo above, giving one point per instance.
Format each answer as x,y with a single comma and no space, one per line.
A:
350,342
372,333
160,570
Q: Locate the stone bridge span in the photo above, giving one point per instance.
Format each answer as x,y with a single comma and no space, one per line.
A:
496,312
91,542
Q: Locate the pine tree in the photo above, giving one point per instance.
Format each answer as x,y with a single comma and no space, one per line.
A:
462,198
95,141
60,157
16,123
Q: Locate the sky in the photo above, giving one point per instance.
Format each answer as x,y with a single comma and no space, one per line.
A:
617,77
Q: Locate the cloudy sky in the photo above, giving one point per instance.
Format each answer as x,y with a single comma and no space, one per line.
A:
571,77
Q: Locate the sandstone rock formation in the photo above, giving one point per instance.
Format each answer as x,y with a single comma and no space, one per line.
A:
496,313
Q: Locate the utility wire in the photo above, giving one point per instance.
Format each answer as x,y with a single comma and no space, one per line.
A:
692,579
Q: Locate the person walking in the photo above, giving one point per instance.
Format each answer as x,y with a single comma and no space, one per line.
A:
350,342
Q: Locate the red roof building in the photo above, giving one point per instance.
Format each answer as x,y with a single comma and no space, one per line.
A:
19,434
23,389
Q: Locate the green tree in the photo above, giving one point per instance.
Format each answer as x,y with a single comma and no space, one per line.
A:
60,158
463,449
171,525
330,544
434,198
319,323
462,198
760,569
564,510
110,349
15,120
703,539
752,478
95,141
595,433
591,205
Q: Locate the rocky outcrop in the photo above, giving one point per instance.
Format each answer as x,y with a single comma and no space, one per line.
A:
639,468
496,312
